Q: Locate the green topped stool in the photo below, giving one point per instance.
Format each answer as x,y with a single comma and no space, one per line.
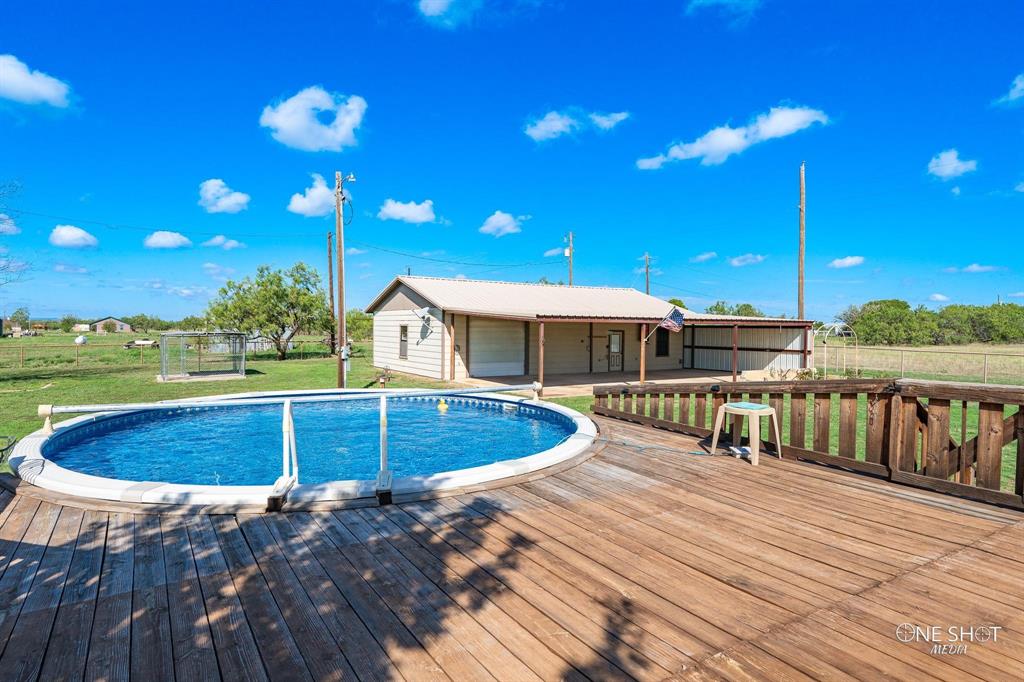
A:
753,412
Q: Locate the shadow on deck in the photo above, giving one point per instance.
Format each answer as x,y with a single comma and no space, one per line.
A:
644,562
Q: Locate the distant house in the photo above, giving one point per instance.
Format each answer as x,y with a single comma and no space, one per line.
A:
456,328
119,325
80,327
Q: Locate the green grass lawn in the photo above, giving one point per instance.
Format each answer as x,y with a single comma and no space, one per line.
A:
23,392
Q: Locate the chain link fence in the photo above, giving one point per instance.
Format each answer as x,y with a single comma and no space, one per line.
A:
989,367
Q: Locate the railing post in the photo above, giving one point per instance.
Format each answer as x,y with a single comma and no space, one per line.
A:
383,487
286,439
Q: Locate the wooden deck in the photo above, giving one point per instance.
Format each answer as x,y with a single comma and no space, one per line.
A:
642,562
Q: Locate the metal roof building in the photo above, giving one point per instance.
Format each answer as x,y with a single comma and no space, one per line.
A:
458,328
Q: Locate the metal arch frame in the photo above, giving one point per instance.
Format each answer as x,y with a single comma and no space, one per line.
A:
838,330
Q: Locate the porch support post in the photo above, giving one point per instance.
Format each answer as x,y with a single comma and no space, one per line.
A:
807,347
735,350
451,348
540,356
643,352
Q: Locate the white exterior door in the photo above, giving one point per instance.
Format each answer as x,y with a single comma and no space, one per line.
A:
496,347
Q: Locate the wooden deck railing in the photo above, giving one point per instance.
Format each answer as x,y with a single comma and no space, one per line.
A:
954,438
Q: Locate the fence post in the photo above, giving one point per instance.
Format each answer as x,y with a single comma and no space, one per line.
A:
895,433
985,373
383,486
903,355
142,356
22,349
76,354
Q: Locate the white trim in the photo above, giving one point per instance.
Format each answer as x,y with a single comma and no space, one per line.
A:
29,464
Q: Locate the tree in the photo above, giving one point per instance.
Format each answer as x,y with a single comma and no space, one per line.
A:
20,318
741,309
275,304
110,326
11,269
677,302
67,323
192,323
358,325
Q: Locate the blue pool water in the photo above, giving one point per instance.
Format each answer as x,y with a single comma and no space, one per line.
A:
241,444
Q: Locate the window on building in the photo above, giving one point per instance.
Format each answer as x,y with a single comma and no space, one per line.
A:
661,342
403,342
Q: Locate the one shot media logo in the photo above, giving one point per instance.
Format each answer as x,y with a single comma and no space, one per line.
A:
947,640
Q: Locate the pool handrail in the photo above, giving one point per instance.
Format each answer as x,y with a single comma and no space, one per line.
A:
320,395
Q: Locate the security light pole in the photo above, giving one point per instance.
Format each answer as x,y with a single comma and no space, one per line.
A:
647,273
339,229
570,252
803,239
330,291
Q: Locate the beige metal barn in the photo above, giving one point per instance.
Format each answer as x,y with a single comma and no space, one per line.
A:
453,329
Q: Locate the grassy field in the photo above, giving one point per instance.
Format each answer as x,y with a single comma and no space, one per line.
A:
1000,364
25,356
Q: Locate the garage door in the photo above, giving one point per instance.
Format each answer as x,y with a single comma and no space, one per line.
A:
496,347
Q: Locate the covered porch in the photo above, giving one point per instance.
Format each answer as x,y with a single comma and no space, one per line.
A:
570,355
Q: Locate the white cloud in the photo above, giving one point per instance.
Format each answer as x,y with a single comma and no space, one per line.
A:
608,121
948,165
975,267
223,242
409,212
557,251
434,8
216,197
955,191
67,268
1016,91
550,126
500,224
317,200
746,259
217,271
704,257
1019,187
296,121
1017,294
451,13
353,251
187,291
741,9
71,237
7,225
165,239
19,83
718,144
938,298
847,262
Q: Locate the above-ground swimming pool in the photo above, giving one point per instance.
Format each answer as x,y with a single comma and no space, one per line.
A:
233,453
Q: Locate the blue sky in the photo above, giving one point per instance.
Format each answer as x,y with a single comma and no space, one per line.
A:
158,148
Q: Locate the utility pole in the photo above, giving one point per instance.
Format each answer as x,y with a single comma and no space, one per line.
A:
339,227
330,290
570,251
803,243
647,273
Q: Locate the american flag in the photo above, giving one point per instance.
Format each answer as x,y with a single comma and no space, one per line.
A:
673,321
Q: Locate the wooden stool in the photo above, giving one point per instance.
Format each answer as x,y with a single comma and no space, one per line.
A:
753,412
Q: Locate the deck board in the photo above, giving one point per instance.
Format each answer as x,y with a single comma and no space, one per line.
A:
641,562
